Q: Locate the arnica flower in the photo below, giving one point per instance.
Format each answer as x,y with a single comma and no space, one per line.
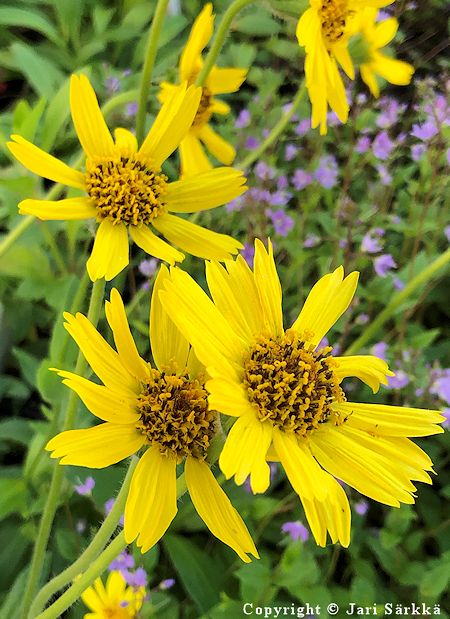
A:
165,409
126,189
286,394
219,81
323,31
115,601
377,35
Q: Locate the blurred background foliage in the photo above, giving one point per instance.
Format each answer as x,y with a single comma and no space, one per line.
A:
343,192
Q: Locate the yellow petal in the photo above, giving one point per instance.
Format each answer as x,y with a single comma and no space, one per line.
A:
43,164
196,240
371,370
205,191
115,585
242,283
225,80
125,345
385,31
166,89
370,79
125,140
217,146
152,501
200,34
90,125
193,157
167,342
153,245
228,397
194,365
71,208
172,124
215,509
98,447
269,288
394,71
343,57
307,27
245,451
326,303
219,107
110,254
91,599
103,359
117,405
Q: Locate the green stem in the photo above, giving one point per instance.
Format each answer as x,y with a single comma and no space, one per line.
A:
12,237
425,276
125,97
92,551
276,131
58,473
219,39
54,249
150,54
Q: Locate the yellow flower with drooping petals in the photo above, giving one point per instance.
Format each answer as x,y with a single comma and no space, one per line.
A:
323,31
126,189
165,409
219,81
286,393
115,601
378,36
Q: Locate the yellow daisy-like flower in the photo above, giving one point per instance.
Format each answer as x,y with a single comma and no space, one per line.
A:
115,601
286,393
126,189
165,409
377,36
323,31
219,81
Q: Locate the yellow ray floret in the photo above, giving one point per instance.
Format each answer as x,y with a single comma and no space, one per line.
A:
286,394
219,81
163,409
126,190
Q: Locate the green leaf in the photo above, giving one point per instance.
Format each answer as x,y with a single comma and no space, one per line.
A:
17,430
260,24
172,27
29,125
57,114
42,74
196,570
255,578
24,18
12,496
28,364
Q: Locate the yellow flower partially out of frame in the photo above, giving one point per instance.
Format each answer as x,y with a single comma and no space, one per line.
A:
165,409
323,31
219,81
378,36
126,189
286,393
115,601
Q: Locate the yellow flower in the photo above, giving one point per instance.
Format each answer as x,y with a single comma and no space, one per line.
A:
165,409
219,81
377,36
125,186
323,31
286,393
115,601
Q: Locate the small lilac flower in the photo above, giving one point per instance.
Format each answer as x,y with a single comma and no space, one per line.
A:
379,350
282,223
138,579
446,413
363,319
327,172
282,182
122,563
145,286
127,72
301,179
251,143
332,119
108,507
362,145
296,530
287,108
343,243
417,151
243,119
280,198
123,604
370,245
425,132
166,584
148,267
303,127
248,253
448,156
389,115
382,16
398,381
379,231
418,392
383,264
398,284
447,232
382,146
264,172
290,152
361,98
311,240
235,205
265,133
361,507
323,343
441,386
112,85
131,110
86,488
385,177
396,220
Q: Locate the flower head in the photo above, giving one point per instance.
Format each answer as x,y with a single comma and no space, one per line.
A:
282,223
86,488
425,132
296,530
115,601
286,396
164,409
219,81
127,191
383,264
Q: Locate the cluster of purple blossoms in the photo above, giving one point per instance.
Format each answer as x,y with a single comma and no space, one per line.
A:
86,488
382,146
301,179
371,244
296,530
243,120
328,171
282,223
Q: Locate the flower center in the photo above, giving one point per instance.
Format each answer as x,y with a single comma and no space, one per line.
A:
175,415
203,112
115,612
291,384
126,189
334,14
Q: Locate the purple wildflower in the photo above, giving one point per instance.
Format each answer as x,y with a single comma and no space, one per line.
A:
343,243
327,172
248,253
398,284
86,488
131,110
379,231
385,177
370,245
379,350
166,584
265,133
398,381
108,507
127,72
303,127
425,132
290,152
362,145
446,413
296,530
447,232
396,220
448,156
382,146
122,563
252,143
441,386
235,205
243,119
282,182
148,267
363,319
361,507
311,240
280,198
301,179
389,115
361,98
383,264
137,579
282,223
264,172
112,85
